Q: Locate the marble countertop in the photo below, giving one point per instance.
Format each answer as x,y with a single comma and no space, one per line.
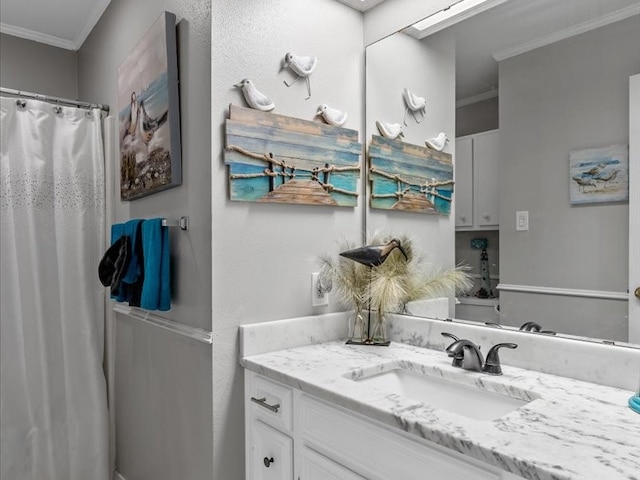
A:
569,430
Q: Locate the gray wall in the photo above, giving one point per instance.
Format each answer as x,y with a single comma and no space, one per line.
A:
163,382
38,68
570,95
263,253
477,117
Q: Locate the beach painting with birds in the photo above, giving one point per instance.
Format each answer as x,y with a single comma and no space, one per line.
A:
280,159
149,113
409,178
599,175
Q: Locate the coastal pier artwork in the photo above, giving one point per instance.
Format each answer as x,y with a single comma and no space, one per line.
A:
280,159
409,177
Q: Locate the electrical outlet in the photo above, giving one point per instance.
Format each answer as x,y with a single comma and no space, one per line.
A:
319,296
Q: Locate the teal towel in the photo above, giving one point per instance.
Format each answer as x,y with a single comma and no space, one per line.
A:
634,403
132,275
156,292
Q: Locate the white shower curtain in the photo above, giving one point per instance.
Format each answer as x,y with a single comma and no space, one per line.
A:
53,407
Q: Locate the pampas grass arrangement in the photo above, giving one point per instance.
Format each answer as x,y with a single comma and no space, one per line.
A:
390,286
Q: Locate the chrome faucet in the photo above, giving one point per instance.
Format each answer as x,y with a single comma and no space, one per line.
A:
467,355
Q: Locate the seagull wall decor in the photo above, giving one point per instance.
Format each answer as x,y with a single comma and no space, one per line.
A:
413,103
332,116
302,66
255,98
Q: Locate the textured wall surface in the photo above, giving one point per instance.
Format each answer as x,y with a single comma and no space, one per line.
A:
262,260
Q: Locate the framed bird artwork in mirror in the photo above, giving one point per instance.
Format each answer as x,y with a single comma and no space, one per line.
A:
149,113
599,175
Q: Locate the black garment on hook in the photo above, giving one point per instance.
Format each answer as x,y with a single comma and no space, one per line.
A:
114,263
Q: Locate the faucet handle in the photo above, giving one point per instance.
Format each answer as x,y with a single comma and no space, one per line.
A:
457,361
450,335
492,363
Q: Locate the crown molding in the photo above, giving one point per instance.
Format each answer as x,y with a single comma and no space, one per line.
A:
60,42
568,32
37,36
463,102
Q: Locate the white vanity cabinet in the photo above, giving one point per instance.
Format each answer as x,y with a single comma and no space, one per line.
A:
476,177
314,466
268,429
328,442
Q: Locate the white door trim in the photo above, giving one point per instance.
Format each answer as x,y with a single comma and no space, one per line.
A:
634,207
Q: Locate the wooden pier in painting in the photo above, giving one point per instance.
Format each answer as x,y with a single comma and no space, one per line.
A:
279,159
409,177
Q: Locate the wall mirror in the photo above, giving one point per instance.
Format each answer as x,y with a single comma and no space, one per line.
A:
535,84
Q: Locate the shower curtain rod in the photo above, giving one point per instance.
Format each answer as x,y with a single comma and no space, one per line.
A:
57,100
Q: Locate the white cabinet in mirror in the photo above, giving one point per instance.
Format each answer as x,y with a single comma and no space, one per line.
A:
476,175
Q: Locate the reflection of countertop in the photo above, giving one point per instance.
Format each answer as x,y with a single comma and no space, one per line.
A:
479,301
575,430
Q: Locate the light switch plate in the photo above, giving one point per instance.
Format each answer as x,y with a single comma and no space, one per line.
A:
522,220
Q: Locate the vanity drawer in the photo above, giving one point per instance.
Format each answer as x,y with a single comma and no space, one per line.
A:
271,454
269,401
376,451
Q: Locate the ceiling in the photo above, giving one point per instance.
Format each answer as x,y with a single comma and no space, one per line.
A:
60,23
512,27
517,26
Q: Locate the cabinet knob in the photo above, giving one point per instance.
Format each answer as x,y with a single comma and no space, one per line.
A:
637,292
267,461
463,218
486,216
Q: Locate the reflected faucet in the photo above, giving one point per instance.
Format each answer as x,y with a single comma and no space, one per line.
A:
530,327
534,327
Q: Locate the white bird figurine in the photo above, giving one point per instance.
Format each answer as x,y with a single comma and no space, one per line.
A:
414,103
390,130
438,142
302,67
332,116
254,97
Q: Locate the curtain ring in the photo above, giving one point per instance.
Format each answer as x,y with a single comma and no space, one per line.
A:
21,104
57,110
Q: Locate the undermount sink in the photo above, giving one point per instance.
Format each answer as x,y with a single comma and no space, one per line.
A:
462,399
